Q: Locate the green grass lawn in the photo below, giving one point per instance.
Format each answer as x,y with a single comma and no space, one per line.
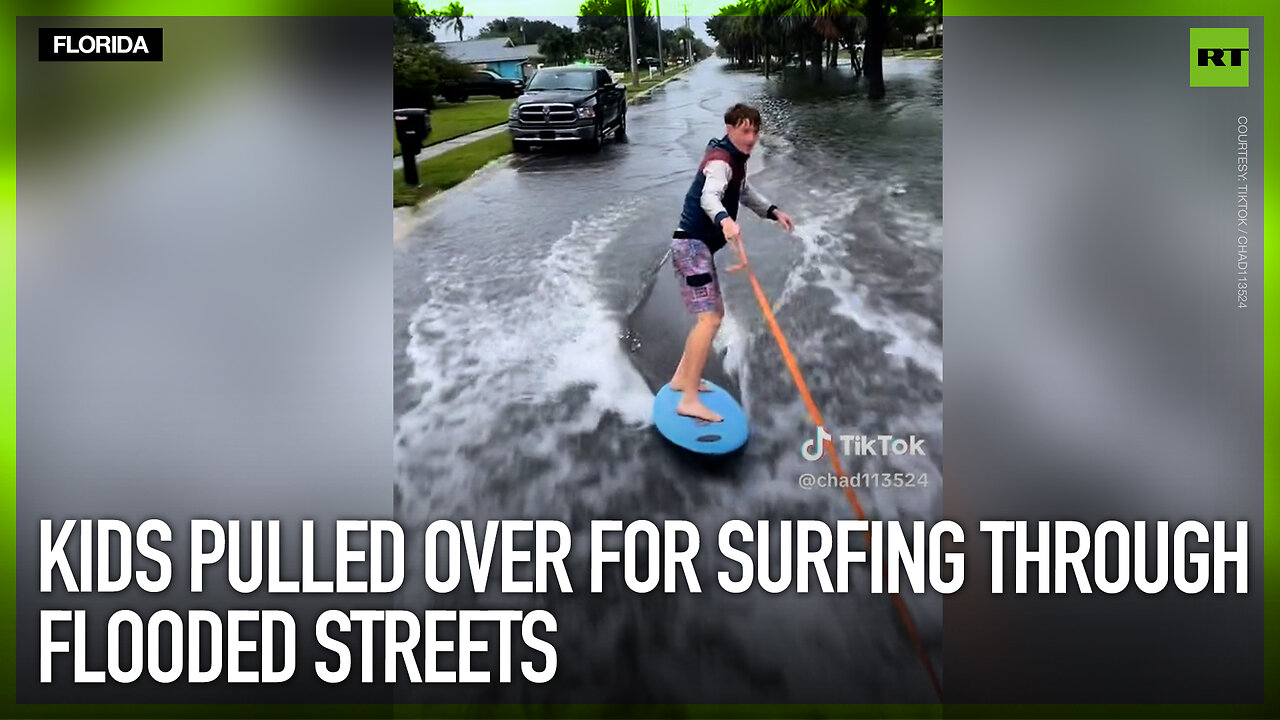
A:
646,83
449,121
921,53
843,57
448,169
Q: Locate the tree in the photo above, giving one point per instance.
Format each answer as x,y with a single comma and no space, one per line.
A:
559,46
934,9
697,48
610,16
417,69
451,15
497,29
534,30
409,23
753,32
616,39
605,14
909,18
873,57
734,29
671,46
594,41
521,31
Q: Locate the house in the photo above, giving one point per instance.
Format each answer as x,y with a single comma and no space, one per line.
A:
932,35
497,54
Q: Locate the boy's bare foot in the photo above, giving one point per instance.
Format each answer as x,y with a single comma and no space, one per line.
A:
695,409
702,386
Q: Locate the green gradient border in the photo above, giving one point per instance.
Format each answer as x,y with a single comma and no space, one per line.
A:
8,500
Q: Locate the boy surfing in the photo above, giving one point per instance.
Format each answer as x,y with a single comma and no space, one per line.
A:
708,221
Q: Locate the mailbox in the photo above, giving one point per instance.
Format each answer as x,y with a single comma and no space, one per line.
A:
412,127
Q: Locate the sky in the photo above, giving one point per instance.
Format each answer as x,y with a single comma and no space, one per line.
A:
486,10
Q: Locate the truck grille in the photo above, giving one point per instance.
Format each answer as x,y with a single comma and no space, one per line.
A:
548,114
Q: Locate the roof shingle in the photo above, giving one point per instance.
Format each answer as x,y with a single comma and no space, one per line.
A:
488,50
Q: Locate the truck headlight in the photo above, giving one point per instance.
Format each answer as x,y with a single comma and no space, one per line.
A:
514,112
587,111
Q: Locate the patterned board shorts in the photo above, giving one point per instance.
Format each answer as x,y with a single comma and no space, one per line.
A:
696,272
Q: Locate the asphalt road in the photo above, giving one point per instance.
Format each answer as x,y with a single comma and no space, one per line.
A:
536,316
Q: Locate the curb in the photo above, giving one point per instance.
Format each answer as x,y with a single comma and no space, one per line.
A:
404,218
456,137
452,143
645,93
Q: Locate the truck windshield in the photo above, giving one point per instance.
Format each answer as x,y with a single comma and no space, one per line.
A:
563,80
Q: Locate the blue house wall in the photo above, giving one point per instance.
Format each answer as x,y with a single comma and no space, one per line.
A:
508,69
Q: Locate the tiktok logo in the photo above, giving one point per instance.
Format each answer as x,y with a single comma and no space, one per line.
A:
815,448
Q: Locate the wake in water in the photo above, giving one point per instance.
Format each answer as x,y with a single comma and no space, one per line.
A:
486,362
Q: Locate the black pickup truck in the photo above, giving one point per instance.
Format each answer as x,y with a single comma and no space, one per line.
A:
480,82
574,103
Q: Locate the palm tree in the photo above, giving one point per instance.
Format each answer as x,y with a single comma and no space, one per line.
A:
755,31
877,12
813,31
769,28
682,35
740,31
821,22
451,15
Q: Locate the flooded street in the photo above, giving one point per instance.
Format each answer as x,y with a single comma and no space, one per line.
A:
536,315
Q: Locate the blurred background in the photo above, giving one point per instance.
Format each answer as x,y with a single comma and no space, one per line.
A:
202,293
1100,368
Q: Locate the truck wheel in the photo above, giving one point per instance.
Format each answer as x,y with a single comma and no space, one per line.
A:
621,133
597,140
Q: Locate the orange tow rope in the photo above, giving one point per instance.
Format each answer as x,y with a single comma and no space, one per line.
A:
816,416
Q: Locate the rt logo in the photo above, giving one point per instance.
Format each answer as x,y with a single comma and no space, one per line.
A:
1219,57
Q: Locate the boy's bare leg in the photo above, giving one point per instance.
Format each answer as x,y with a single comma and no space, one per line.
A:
677,380
696,349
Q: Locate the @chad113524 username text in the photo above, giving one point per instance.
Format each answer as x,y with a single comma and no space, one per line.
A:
864,480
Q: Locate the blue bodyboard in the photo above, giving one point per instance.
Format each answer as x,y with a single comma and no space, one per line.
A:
698,436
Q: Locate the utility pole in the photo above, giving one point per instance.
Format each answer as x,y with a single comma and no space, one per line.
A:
631,36
657,14
688,46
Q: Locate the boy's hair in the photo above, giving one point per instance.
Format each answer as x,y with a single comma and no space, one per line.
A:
741,113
